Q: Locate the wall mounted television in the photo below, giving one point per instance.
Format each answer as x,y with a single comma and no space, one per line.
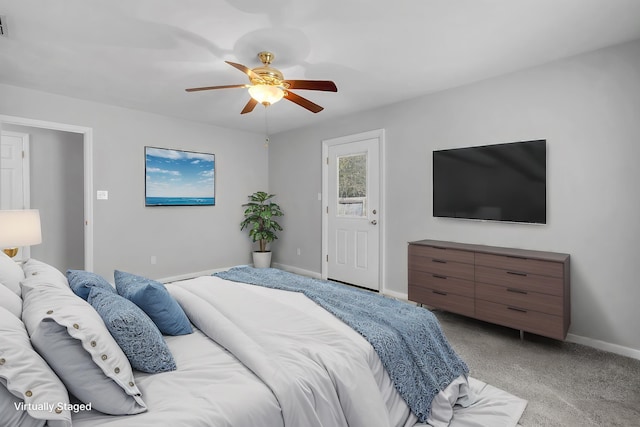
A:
500,182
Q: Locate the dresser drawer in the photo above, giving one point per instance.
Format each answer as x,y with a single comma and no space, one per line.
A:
521,265
544,303
526,320
444,254
519,280
441,267
443,300
442,283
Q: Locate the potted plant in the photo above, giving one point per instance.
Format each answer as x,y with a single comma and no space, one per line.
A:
259,218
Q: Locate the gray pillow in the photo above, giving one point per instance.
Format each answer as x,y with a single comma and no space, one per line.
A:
26,379
71,337
134,331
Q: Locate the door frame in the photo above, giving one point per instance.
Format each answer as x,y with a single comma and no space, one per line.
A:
378,134
87,134
26,178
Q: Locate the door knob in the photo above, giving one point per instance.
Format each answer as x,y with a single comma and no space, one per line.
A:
374,222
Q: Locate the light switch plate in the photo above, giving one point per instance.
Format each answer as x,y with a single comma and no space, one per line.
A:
102,195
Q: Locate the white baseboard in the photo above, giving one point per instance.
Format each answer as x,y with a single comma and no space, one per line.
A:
297,270
192,275
284,267
603,345
393,294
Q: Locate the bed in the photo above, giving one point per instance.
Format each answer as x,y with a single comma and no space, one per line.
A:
254,355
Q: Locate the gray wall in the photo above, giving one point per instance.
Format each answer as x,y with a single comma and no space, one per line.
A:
56,181
586,107
126,233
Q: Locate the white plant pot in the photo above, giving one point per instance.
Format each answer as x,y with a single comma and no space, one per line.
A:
262,259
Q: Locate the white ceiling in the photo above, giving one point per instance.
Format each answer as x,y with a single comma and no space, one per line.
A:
142,54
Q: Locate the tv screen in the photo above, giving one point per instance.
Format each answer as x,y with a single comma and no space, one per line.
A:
501,182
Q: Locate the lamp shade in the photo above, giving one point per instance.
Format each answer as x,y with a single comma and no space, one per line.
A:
266,94
20,228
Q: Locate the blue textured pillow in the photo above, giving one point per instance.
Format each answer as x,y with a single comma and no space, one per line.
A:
154,299
81,282
134,332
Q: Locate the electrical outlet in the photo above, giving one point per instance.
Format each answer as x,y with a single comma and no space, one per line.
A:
298,251
154,260
102,195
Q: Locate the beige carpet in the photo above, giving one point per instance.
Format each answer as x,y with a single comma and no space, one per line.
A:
565,384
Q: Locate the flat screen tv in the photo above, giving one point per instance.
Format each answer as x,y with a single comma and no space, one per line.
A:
501,182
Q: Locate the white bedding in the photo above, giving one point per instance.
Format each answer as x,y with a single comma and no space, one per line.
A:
274,386
210,388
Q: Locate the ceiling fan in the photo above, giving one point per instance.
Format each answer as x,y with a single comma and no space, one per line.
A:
268,86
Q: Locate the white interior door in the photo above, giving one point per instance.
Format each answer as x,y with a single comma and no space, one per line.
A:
352,253
14,176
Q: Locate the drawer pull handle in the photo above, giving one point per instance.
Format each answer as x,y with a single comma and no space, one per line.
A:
517,273
440,293
437,276
440,261
519,310
517,291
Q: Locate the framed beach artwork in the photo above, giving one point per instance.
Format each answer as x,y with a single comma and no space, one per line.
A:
179,178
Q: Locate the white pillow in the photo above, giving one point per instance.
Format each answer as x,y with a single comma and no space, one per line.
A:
26,379
73,339
33,267
10,273
10,301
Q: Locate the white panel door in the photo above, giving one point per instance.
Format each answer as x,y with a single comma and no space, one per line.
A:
353,189
14,175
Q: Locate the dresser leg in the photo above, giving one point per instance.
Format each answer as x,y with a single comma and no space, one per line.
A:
521,335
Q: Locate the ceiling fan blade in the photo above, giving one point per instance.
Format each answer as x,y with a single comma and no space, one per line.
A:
195,89
303,102
250,106
326,85
248,71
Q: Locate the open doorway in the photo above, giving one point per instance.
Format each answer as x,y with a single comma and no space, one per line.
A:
61,187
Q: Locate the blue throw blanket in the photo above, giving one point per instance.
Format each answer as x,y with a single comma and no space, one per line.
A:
408,339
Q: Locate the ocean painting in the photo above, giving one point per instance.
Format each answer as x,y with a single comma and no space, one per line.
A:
179,178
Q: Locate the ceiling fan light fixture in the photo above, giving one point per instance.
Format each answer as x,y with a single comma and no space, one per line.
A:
266,94
268,86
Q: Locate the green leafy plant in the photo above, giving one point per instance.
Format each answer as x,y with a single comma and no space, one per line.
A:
259,218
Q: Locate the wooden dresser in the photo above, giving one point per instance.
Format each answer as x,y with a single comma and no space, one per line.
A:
522,289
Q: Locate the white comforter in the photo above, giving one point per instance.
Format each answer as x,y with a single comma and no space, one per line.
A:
321,372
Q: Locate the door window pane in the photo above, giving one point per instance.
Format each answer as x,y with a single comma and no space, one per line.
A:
352,185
